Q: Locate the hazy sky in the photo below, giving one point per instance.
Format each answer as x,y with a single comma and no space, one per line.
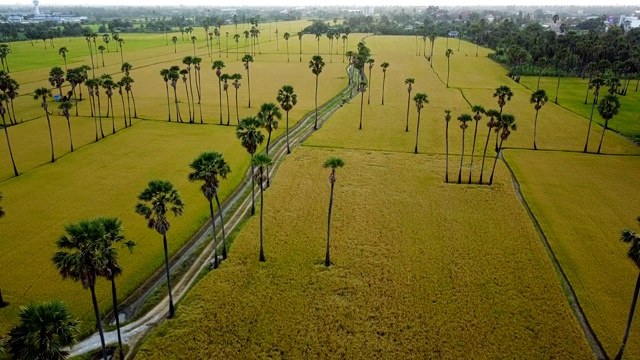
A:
239,3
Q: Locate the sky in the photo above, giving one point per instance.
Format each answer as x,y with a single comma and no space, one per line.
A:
239,3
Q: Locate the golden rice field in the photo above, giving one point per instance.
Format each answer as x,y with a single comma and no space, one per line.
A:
582,203
417,272
105,178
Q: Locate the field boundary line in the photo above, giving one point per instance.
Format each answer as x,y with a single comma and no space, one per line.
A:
570,295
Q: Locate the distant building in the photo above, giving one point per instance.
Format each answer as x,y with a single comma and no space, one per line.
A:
15,18
369,11
36,7
490,18
628,22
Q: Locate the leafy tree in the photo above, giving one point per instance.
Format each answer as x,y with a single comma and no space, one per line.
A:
506,123
595,84
421,100
448,54
3,98
246,60
218,65
158,198
82,257
409,82
447,119
464,119
261,162
44,331
248,131
493,115
608,108
209,167
63,52
64,106
236,84
42,94
384,67
287,99
333,163
630,237
316,65
479,111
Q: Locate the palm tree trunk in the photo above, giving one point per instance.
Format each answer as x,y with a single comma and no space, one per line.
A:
228,111
267,150
102,59
484,155
215,236
193,101
129,107
327,261
186,90
446,142
557,89
15,170
249,87
113,120
495,161
369,96
220,98
586,97
199,88
448,69
539,76
288,149
287,50
361,104
175,95
166,261
606,122
473,150
168,102
300,50
593,106
262,259
96,311
237,113
477,46
315,126
408,106
535,130
417,133
50,134
384,80
253,190
115,311
95,120
124,110
631,312
70,138
224,240
461,158
135,109
100,115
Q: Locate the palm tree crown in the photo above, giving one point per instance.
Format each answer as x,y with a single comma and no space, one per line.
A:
158,198
287,98
248,131
539,97
209,167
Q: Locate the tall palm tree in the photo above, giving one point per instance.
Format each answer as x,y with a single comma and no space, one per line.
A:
493,115
209,167
448,54
120,86
174,76
592,69
87,37
112,228
64,106
596,84
63,52
3,99
175,42
236,38
362,88
196,61
97,83
421,100
188,60
102,49
236,85
262,162
318,37
126,69
248,131
333,163
370,62
478,110
81,258
432,39
316,64
539,98
506,123
300,34
384,67
608,108
218,65
42,94
287,99
246,60
225,86
464,119
193,41
158,198
409,82
108,84
269,115
286,39
184,73
90,83
541,63
56,78
504,94
165,76
447,119
628,236
120,43
44,331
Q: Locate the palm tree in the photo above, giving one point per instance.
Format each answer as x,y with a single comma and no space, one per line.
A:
287,99
464,119
120,86
218,65
102,49
300,34
225,78
196,61
174,76
596,84
362,88
75,78
316,64
188,60
65,106
108,84
97,83
384,67
175,41
208,167
493,115
246,60
126,69
269,115
184,73
3,99
448,55
447,119
262,162
608,108
421,100
120,43
82,258
504,94
286,38
409,82
63,52
478,110
432,39
90,83
165,76
88,38
44,330
248,131
318,37
42,94
112,228
4,52
193,41
541,63
629,236
539,98
506,123
56,78
236,84
333,163
155,200
592,69
370,62
236,38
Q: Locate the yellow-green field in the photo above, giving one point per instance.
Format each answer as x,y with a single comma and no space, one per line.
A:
105,178
417,273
